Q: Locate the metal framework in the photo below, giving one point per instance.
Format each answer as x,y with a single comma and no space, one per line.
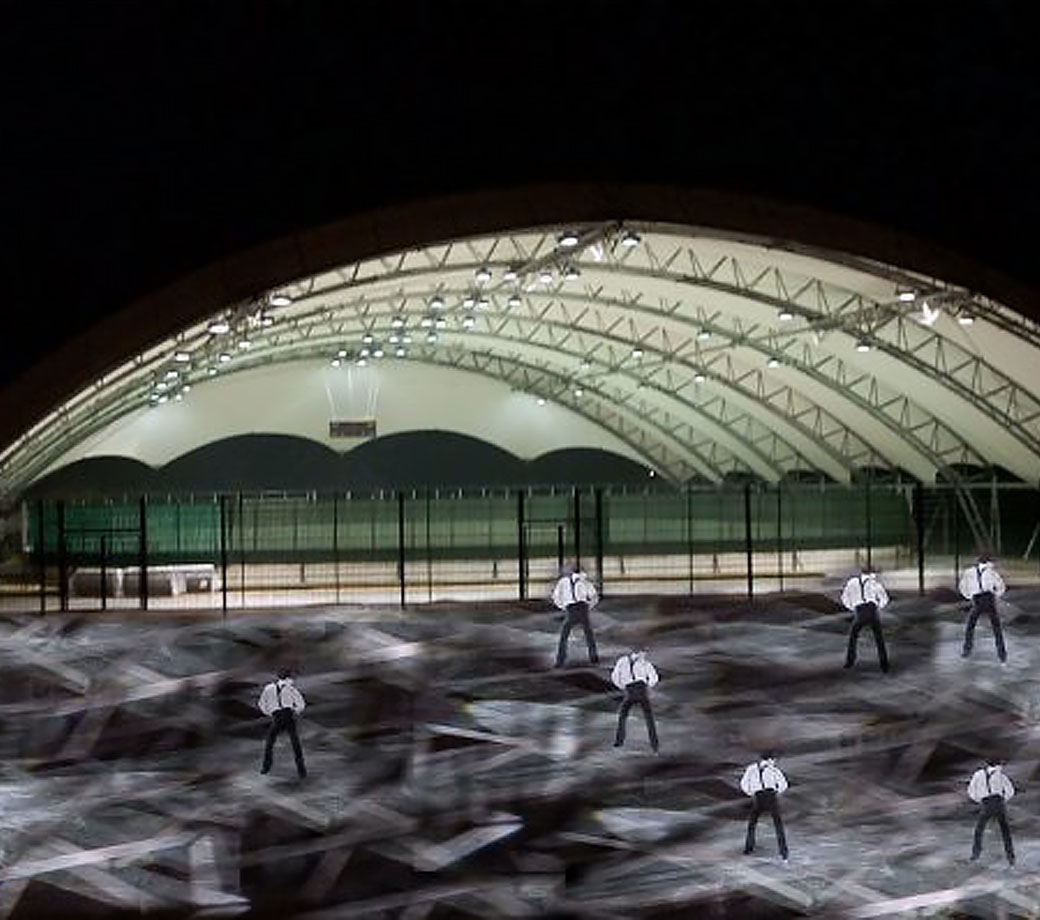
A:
706,354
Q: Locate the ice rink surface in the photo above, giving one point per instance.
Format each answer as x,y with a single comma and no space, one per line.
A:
454,773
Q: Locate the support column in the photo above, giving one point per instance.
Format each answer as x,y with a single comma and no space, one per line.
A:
521,545
748,544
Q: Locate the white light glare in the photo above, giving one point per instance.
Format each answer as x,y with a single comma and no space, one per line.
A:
568,239
361,362
862,346
224,357
514,301
698,378
186,388
579,392
245,344
182,357
431,337
704,335
378,353
483,274
468,321
965,319
172,375
907,296
630,239
572,273
400,352
368,338
541,401
785,315
510,274
545,276
437,303
220,327
335,362
342,353
773,362
397,322
280,299
637,352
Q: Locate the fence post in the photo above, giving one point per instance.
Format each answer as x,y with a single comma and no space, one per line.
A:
63,564
689,532
400,543
223,556
240,516
142,516
870,530
42,548
748,543
952,493
104,572
599,538
780,534
577,527
521,545
919,527
335,541
559,547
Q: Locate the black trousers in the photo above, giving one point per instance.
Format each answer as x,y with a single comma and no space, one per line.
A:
636,695
577,614
993,807
283,720
766,800
866,615
984,603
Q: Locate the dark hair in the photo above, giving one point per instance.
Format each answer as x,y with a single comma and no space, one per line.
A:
284,672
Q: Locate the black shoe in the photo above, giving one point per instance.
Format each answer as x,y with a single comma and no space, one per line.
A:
965,652
848,664
748,852
264,771
618,743
974,857
593,661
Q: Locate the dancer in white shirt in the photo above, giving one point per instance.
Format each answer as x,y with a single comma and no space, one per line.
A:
991,788
281,701
865,597
763,781
982,585
634,675
575,595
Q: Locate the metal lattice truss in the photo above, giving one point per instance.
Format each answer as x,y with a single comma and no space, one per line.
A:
707,355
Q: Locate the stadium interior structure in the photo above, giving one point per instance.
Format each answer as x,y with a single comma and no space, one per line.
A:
647,358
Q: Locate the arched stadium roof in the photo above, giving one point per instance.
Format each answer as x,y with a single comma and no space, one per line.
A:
704,353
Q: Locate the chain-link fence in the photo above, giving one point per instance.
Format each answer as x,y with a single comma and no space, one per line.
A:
250,550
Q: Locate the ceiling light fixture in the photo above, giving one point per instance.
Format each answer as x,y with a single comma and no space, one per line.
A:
704,335
400,352
773,362
637,352
182,356
437,303
568,239
514,301
342,353
397,322
368,338
468,321
906,296
785,315
630,239
510,274
335,362
483,274
698,378
280,299
220,327
965,319
545,276
572,273
862,346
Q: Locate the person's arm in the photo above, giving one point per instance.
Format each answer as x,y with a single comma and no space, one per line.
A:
557,595
745,780
966,585
976,786
998,583
651,675
1009,789
882,596
299,703
615,675
846,599
780,780
266,702
593,596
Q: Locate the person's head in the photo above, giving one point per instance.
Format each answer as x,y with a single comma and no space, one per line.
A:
284,672
985,558
639,651
868,571
993,761
768,754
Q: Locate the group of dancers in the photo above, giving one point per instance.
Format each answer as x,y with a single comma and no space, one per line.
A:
864,596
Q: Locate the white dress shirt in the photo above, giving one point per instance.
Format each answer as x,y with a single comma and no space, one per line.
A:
863,589
987,781
630,668
981,577
281,694
763,774
571,589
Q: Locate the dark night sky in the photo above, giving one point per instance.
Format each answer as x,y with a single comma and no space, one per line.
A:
141,140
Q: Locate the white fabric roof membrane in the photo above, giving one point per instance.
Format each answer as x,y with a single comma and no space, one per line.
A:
701,354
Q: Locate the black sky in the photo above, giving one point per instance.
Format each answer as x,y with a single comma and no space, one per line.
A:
142,140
